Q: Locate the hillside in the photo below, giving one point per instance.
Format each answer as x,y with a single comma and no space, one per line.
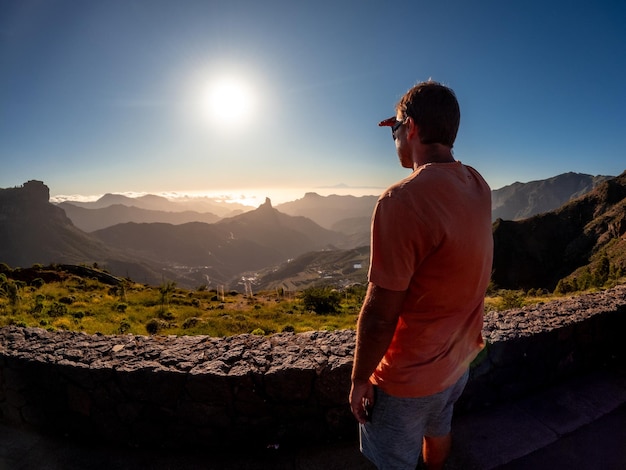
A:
293,235
34,231
89,220
539,251
329,210
220,252
571,242
335,267
522,200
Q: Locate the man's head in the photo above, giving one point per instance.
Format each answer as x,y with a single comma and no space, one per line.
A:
435,111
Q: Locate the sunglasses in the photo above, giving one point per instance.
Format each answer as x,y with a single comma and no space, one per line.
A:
394,124
395,127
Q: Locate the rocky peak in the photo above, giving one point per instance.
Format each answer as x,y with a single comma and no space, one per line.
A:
31,191
32,195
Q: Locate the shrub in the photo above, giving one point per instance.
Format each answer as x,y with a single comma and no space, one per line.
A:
511,299
39,304
124,327
153,326
602,271
37,283
564,286
57,310
67,300
165,294
11,290
258,332
166,315
190,322
321,300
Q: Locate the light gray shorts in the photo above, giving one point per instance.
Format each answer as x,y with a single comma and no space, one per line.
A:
392,439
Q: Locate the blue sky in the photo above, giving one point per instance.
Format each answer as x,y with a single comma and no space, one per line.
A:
111,96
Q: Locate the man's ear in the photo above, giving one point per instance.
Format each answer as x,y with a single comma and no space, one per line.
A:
412,130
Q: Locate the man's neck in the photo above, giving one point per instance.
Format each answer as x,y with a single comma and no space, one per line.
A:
432,153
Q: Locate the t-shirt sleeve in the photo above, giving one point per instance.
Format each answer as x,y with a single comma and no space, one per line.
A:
399,243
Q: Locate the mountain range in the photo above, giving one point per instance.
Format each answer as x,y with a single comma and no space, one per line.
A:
310,240
522,200
539,251
159,203
346,214
90,220
222,251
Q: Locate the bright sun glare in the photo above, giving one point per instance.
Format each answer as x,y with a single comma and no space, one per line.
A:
229,100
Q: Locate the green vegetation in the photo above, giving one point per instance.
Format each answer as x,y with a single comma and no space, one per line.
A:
505,299
54,299
71,302
599,273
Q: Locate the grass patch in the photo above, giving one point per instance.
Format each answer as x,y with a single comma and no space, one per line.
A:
79,304
84,305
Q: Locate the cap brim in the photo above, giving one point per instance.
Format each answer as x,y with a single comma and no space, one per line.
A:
388,122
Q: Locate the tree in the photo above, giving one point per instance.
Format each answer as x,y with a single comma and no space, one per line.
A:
321,299
11,290
602,271
165,290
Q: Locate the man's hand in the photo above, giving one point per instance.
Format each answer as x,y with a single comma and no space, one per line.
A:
361,399
375,329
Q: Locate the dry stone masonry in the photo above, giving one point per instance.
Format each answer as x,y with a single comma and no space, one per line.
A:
261,391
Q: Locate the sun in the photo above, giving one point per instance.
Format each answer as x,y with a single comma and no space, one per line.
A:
229,100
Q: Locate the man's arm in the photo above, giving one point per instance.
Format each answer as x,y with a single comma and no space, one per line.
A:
375,329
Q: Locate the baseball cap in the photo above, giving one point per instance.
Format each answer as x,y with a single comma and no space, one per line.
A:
388,122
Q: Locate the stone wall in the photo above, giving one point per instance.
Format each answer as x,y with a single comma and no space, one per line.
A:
259,391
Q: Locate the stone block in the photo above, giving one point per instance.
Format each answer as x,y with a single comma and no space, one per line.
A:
332,386
289,385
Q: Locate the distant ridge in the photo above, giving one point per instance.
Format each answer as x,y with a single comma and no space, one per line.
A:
159,203
539,251
522,200
90,220
329,210
344,213
266,243
224,250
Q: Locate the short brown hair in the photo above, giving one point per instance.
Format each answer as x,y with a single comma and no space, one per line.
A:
435,110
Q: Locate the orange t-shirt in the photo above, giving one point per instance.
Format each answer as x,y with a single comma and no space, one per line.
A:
432,236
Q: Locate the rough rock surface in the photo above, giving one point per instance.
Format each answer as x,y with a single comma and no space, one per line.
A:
509,324
180,391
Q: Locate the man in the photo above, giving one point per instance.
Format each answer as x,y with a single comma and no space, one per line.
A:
420,324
